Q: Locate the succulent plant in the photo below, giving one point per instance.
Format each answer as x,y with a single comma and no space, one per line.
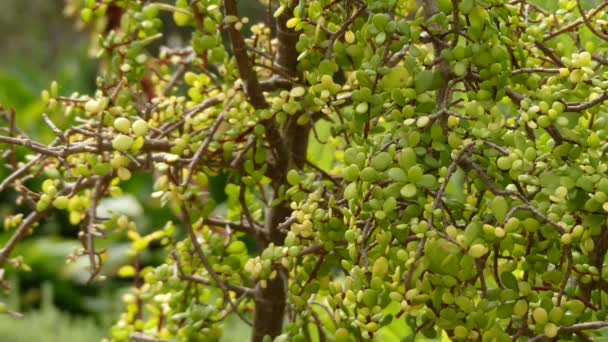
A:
463,188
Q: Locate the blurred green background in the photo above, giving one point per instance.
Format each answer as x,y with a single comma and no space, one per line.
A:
40,44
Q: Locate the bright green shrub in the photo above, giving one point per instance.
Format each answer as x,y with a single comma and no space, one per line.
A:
462,187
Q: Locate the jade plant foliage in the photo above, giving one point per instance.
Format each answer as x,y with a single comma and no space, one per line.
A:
437,164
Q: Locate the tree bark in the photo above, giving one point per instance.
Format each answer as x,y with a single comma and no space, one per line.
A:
289,144
270,302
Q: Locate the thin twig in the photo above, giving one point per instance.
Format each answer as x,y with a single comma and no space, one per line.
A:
201,149
577,22
203,258
578,107
572,329
90,228
338,34
140,337
535,70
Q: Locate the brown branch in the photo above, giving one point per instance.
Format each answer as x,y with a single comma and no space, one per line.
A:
90,229
248,75
313,273
397,56
576,23
467,163
588,22
185,217
34,217
319,324
496,147
201,149
11,132
19,234
245,292
140,337
557,136
338,34
533,70
19,172
579,107
235,288
322,172
175,78
284,226
550,53
240,157
573,329
313,249
208,103
569,263
30,144
52,126
450,171
514,95
412,267
232,225
274,83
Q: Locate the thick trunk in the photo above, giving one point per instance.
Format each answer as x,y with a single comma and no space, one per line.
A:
270,302
289,143
287,54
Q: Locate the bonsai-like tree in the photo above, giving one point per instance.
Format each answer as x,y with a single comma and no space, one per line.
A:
439,163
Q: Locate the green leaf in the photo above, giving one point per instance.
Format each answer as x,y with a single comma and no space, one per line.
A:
426,80
508,280
500,208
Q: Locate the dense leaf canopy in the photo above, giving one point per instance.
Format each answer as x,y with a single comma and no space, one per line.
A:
394,167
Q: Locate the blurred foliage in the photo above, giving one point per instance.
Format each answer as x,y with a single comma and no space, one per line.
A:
49,325
52,47
45,38
48,48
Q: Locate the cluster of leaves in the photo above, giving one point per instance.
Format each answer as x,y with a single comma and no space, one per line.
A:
468,185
